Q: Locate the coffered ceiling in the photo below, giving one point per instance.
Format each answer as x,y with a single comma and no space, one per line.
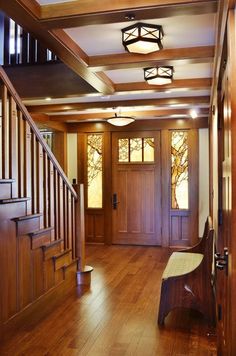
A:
86,36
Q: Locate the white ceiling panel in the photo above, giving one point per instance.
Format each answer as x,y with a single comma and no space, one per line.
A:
47,2
122,96
179,32
198,70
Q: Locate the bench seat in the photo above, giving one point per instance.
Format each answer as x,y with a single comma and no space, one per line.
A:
181,263
187,279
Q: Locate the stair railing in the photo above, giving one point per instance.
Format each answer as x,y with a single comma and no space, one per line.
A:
27,159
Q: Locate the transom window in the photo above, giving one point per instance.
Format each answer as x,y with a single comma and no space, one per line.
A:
136,149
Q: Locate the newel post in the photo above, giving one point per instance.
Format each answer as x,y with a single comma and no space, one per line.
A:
84,272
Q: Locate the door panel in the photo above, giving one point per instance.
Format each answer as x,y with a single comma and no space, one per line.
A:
136,217
224,234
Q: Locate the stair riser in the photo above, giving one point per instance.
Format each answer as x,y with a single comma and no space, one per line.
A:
40,240
27,226
52,251
5,191
62,261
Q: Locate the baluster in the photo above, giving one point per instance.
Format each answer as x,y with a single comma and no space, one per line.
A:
13,123
46,183
60,209
41,54
73,227
51,192
28,163
69,221
34,174
5,133
21,155
6,41
25,46
56,204
32,49
65,206
1,134
40,185
14,56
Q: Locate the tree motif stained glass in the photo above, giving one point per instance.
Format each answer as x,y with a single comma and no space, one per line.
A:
148,149
179,170
94,170
136,149
123,150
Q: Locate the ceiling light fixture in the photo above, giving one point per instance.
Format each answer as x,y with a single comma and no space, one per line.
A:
159,75
120,120
142,38
193,114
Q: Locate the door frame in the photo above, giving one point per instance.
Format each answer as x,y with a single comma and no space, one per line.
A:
226,31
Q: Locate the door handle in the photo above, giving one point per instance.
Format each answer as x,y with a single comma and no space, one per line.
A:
115,202
221,261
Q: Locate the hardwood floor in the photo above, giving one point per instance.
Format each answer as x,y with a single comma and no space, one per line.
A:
118,315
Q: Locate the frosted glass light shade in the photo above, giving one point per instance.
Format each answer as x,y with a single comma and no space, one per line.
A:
120,120
142,38
159,75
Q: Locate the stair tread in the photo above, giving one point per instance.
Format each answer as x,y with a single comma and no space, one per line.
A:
13,200
62,253
26,217
40,232
7,180
53,243
75,260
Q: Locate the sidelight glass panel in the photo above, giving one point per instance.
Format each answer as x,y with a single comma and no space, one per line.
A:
136,150
94,170
123,150
179,170
148,149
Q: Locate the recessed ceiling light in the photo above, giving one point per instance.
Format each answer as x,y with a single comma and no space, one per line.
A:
48,99
193,114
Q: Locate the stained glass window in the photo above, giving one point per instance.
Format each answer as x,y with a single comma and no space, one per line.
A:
148,149
136,149
179,170
94,170
124,150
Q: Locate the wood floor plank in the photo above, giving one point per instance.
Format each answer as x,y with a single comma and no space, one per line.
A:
117,316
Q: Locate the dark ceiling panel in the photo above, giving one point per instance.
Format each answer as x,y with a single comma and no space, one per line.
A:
47,80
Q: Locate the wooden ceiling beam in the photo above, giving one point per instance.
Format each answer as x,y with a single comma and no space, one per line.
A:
65,51
193,84
83,13
105,115
172,56
43,120
196,100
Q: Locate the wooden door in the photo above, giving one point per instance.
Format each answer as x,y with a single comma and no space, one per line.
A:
224,233
136,182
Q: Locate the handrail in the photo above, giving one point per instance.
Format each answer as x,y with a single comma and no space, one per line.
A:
33,126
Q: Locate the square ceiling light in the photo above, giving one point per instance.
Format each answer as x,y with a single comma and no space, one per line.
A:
142,38
159,75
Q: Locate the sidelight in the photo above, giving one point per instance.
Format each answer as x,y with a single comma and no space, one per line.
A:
179,170
94,170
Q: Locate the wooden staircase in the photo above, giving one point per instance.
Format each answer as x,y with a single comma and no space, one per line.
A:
39,227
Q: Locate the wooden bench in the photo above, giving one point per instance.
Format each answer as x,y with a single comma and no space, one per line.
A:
187,279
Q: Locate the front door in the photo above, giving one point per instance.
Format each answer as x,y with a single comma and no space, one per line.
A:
136,185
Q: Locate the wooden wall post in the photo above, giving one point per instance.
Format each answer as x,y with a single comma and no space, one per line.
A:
84,272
